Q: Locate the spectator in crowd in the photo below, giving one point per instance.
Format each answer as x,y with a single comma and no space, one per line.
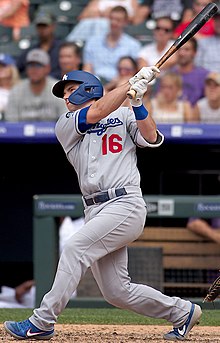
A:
193,76
69,57
163,39
15,14
32,99
207,109
45,27
102,8
100,56
206,228
9,76
152,9
206,30
166,107
95,18
208,48
127,67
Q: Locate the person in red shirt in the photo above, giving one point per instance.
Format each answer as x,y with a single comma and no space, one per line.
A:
206,30
15,14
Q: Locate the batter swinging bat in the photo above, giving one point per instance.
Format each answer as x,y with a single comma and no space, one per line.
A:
195,25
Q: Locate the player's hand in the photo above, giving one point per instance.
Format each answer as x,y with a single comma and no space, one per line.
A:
140,87
147,73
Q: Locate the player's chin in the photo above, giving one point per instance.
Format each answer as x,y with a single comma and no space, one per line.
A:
70,106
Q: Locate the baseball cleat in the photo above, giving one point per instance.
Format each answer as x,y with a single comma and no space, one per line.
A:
26,330
180,334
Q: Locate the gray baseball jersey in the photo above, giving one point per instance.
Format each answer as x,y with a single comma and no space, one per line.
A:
104,158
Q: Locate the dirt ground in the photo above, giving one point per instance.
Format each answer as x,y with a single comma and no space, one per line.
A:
120,334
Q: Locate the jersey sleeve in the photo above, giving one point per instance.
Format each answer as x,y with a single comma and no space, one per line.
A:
70,128
136,136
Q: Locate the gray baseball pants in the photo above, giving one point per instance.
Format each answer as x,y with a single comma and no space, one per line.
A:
101,244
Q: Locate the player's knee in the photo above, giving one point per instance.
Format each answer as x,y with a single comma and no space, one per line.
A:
76,254
118,297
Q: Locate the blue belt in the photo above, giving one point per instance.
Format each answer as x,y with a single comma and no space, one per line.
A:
103,197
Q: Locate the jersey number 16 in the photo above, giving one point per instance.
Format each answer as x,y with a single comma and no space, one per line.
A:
111,143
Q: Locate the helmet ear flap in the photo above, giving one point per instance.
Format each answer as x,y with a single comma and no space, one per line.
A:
81,94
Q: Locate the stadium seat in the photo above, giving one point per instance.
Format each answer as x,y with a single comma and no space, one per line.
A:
65,11
5,34
11,48
27,37
141,32
28,34
62,30
41,2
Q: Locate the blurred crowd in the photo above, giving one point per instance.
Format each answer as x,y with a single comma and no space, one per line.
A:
107,39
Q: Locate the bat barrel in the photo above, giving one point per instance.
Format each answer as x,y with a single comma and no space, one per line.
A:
196,24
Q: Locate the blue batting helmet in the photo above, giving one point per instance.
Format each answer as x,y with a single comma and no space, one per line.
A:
90,87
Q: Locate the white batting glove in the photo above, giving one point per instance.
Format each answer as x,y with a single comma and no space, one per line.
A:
140,87
147,73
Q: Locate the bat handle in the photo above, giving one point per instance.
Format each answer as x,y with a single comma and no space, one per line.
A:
131,94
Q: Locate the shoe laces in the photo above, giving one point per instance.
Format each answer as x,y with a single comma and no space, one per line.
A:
24,325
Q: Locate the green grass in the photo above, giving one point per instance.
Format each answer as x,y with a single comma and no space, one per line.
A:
105,316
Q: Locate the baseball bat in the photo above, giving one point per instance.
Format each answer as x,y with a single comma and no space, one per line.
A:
207,12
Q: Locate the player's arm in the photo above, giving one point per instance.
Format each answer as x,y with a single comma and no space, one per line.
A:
107,104
145,122
113,100
148,128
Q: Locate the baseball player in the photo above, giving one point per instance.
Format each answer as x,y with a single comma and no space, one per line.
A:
99,138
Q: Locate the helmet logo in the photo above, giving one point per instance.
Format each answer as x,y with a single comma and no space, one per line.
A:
65,77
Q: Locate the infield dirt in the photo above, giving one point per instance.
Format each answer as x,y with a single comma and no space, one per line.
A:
120,334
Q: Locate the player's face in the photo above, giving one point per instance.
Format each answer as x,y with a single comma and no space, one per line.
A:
69,88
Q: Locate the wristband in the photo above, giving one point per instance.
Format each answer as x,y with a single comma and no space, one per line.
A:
140,112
